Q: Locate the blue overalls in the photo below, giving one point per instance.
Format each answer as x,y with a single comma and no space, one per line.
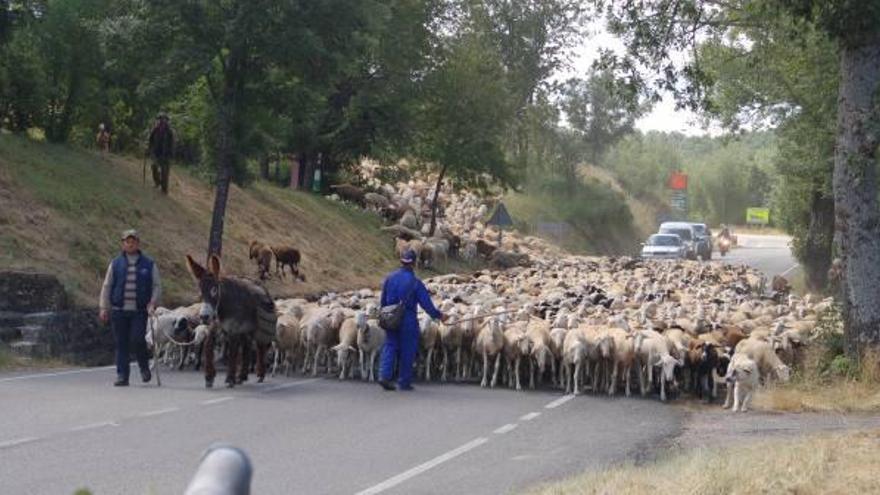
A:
404,343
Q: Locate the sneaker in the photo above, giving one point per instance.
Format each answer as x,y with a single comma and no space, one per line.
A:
387,385
146,376
120,382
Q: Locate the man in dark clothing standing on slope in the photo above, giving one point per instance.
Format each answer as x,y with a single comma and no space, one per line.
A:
402,344
130,292
161,148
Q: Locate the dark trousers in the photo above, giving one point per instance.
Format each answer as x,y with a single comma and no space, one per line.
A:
130,330
161,168
400,346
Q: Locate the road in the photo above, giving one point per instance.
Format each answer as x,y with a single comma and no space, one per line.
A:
63,430
770,254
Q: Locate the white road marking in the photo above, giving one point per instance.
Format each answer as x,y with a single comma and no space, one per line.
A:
94,426
786,272
58,373
530,416
216,401
558,402
158,412
505,429
421,468
17,441
288,385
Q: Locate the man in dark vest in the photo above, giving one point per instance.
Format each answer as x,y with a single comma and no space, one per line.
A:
130,292
161,148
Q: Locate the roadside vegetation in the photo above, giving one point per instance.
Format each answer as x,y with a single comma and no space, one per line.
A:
828,463
828,380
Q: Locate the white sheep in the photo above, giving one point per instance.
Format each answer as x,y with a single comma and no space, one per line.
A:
489,343
370,340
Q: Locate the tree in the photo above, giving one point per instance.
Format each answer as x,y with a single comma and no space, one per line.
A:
466,112
655,30
600,112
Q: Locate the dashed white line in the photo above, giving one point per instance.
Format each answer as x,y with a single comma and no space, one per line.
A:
93,426
558,402
421,468
17,441
289,385
58,373
157,412
530,416
505,429
216,401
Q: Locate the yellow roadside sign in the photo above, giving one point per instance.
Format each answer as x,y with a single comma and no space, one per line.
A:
758,216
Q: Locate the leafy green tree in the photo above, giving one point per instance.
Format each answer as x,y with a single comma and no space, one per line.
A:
655,30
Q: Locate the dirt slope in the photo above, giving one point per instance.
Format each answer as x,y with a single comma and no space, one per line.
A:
61,210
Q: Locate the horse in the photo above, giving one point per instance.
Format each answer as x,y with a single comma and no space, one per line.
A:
245,314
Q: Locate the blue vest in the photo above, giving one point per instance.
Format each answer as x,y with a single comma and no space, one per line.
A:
143,283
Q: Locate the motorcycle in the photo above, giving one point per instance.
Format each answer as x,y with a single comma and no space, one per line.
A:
723,246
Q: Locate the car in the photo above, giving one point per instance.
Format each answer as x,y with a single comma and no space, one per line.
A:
687,234
663,246
703,240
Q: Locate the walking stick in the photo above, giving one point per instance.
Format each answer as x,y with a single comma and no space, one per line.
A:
152,321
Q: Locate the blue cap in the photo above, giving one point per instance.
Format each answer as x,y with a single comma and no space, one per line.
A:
408,256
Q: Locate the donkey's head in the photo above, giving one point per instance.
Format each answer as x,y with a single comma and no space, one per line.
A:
208,279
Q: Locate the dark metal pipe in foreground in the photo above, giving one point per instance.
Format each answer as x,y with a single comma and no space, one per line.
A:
224,470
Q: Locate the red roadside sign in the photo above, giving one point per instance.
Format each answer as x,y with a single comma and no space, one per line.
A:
678,181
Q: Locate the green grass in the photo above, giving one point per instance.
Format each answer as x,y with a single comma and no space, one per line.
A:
61,211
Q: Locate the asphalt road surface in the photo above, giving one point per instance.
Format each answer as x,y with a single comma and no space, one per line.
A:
64,430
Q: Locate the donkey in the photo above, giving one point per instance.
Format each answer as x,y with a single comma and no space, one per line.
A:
245,313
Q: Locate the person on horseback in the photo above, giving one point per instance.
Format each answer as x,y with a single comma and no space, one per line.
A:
402,286
161,149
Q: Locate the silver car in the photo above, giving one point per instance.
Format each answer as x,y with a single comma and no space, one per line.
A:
663,246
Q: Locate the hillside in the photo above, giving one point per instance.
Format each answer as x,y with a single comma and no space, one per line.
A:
62,210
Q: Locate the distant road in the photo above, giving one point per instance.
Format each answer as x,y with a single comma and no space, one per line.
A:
771,254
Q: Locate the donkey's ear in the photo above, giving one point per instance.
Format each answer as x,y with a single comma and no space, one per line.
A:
214,266
197,270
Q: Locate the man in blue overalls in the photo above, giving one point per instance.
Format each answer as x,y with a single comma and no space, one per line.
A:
402,345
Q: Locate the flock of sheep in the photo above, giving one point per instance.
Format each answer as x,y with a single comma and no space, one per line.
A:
543,318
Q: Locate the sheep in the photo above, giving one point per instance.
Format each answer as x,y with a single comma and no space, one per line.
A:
438,249
376,201
370,340
489,343
320,333
516,347
541,352
262,254
651,352
429,338
287,256
763,354
574,357
348,333
288,341
350,193
450,335
742,378
624,357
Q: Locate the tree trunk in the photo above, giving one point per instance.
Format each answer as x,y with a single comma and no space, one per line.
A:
215,241
436,201
817,251
857,219
264,167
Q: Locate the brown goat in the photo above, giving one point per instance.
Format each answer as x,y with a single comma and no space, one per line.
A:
485,249
287,256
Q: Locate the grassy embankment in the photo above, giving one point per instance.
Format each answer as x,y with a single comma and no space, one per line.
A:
62,209
829,463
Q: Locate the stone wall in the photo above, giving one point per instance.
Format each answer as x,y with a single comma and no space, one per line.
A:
36,320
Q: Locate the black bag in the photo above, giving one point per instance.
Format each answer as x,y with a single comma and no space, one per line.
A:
391,316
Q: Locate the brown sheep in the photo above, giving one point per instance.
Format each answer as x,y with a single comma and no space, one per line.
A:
351,193
263,255
287,256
